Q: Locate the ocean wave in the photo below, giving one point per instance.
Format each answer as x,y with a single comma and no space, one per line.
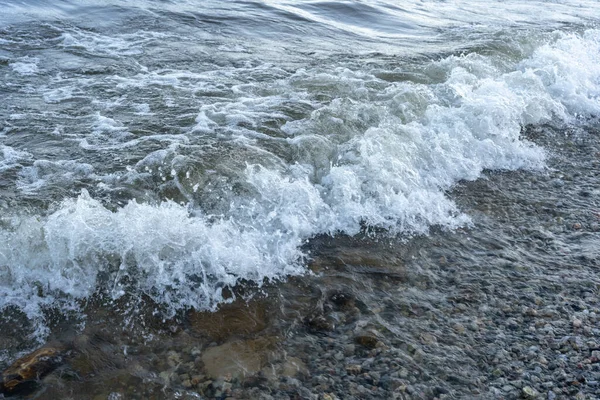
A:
381,154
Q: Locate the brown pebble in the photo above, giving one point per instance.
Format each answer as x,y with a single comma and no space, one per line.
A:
368,341
353,369
319,323
30,368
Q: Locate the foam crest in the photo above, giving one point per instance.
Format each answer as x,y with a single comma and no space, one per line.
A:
114,45
570,71
44,172
26,66
10,158
177,259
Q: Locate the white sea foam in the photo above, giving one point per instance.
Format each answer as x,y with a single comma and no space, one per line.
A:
113,45
43,173
25,66
381,153
10,158
59,94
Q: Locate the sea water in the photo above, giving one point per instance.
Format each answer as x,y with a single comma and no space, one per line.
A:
176,149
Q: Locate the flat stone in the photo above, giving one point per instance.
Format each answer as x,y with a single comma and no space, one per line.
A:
353,369
530,393
236,319
319,323
239,358
28,369
293,366
368,341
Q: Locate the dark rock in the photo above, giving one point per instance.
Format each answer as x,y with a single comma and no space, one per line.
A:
368,341
353,369
23,374
319,324
342,301
236,319
240,358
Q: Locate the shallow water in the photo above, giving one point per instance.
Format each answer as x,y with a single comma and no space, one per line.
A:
163,157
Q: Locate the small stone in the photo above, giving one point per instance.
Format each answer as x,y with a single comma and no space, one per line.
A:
394,384
204,385
507,388
341,300
530,393
403,373
196,379
368,341
428,339
349,350
293,366
318,324
353,369
376,376
459,328
195,351
517,383
577,323
576,226
165,376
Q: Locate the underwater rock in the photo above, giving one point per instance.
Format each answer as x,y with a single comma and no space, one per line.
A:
238,359
342,301
368,341
22,375
293,366
319,324
236,319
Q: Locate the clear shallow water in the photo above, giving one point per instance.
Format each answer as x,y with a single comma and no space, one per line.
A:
174,149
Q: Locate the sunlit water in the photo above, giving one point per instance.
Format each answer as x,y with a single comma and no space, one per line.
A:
174,150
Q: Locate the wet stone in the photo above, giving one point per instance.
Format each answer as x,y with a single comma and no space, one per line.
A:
353,369
293,366
238,359
368,341
236,319
22,375
349,350
342,301
319,324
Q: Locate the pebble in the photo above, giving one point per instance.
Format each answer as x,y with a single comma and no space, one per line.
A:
530,393
349,350
353,369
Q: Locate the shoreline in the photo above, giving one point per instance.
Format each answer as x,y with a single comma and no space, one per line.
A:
506,309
